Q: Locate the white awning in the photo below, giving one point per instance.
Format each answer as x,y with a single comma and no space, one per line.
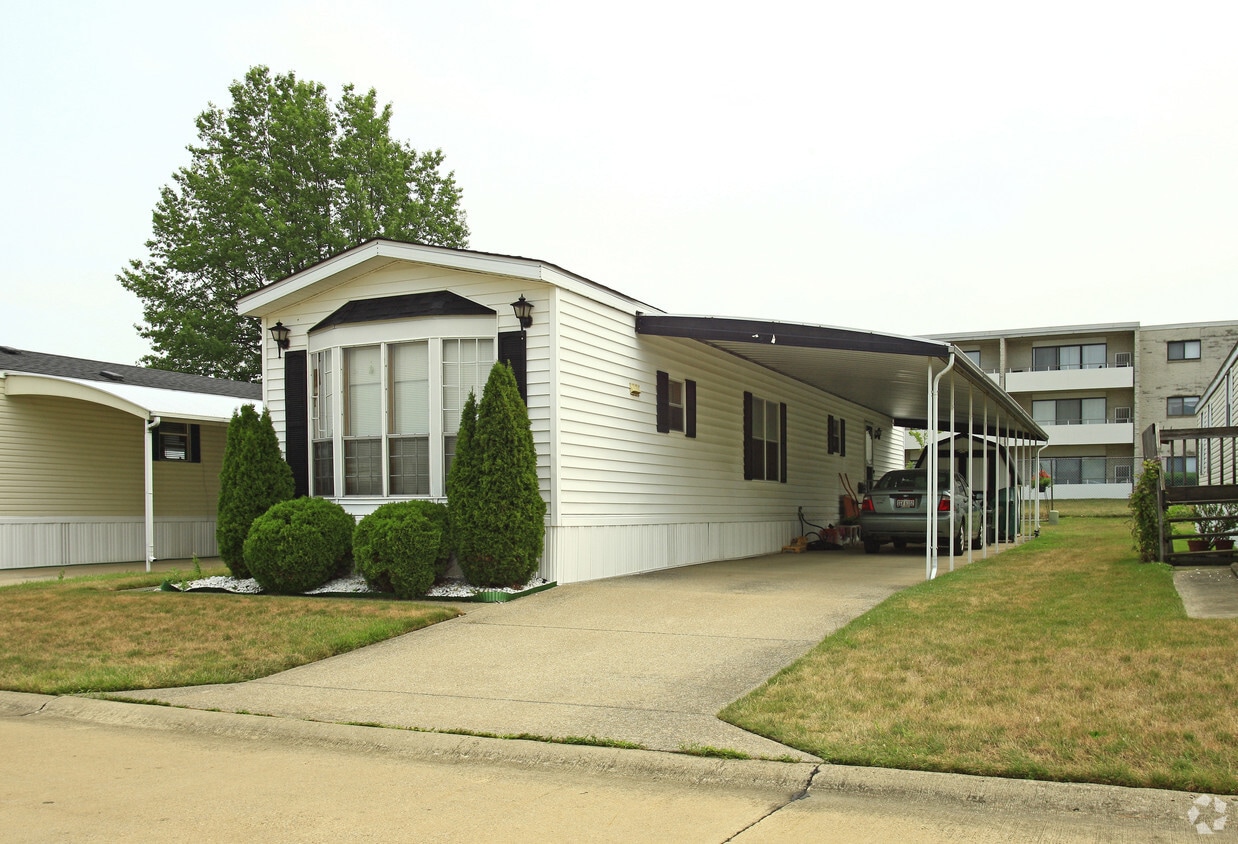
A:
143,402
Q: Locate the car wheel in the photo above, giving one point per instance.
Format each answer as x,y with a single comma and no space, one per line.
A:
871,546
958,543
900,545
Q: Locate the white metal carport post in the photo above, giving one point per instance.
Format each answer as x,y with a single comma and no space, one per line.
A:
950,475
984,481
971,490
149,497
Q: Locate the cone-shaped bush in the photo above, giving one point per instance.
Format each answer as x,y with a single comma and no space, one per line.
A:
463,476
254,476
499,525
402,547
299,545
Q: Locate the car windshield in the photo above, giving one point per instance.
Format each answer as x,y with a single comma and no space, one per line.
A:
909,481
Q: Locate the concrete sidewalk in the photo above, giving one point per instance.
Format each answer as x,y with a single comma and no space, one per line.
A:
646,659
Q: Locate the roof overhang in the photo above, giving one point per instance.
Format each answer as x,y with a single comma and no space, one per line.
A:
886,373
375,255
143,402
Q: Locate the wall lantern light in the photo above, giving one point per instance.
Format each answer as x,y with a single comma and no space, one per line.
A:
524,311
280,333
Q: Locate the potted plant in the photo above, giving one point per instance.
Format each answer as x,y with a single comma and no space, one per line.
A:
1215,522
1045,481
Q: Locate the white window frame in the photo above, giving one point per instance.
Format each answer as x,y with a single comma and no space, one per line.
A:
433,331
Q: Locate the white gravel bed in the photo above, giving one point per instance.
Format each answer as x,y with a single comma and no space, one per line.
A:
451,588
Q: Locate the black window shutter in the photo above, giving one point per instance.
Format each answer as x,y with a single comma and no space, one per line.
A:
782,441
296,420
156,452
513,352
831,428
195,443
748,461
842,437
663,399
689,398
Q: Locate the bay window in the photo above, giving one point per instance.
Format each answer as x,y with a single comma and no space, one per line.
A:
393,430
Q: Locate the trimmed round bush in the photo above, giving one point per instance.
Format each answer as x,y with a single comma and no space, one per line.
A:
299,545
402,547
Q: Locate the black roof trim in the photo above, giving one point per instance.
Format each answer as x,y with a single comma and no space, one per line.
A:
438,303
734,330
38,363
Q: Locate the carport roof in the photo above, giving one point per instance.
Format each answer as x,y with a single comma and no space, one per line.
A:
887,373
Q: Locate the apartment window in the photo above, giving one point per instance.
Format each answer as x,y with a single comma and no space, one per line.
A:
1181,405
1183,349
1183,471
765,439
177,442
1084,356
676,405
973,356
1078,470
1069,411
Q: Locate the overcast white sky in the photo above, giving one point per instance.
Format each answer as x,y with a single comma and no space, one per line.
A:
906,167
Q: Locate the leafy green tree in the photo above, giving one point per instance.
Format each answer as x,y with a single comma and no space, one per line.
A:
281,180
501,529
254,476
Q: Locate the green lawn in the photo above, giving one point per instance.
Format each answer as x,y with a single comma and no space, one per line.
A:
91,635
1064,659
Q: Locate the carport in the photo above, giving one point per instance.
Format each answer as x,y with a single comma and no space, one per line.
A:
916,382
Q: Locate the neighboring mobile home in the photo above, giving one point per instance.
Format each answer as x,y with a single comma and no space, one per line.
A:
103,462
662,440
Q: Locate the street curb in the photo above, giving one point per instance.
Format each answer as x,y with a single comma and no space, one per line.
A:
1006,795
789,778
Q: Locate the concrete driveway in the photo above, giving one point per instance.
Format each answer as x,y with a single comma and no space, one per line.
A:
647,659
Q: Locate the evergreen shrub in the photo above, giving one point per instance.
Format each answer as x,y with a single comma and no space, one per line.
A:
402,547
496,508
299,545
253,477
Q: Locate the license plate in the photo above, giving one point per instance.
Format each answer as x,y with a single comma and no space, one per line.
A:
901,503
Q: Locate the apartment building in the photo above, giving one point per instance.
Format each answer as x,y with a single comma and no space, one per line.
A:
1094,388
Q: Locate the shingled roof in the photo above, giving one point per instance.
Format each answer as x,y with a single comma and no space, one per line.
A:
39,363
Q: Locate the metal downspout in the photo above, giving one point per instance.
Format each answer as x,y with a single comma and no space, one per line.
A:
1042,448
930,553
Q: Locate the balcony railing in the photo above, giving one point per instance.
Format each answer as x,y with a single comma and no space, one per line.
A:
1071,471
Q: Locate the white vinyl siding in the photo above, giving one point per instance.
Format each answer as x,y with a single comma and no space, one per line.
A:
616,469
85,505
620,496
